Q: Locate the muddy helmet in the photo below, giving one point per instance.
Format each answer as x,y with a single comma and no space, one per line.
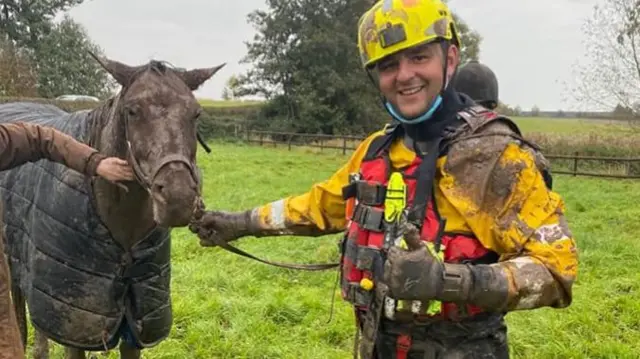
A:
479,82
394,25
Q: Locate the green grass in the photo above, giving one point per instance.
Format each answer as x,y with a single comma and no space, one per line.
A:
226,306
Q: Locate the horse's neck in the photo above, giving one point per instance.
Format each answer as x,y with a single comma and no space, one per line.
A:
127,215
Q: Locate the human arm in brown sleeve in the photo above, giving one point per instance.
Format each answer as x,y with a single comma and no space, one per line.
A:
24,142
21,143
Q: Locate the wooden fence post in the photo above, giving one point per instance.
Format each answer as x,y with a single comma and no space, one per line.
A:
344,145
575,165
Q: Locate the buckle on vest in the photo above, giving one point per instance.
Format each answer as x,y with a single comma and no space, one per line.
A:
369,218
370,194
366,258
358,296
366,193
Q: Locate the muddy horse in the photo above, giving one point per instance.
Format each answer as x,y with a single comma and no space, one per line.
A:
91,259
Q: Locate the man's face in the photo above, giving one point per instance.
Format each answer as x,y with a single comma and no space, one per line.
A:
411,79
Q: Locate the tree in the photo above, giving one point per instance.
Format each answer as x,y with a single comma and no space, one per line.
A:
535,111
27,22
517,111
231,88
65,66
306,64
470,40
17,76
612,77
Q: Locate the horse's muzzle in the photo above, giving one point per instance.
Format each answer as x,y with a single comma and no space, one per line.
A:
174,190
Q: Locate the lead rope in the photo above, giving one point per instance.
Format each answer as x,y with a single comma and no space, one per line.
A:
333,296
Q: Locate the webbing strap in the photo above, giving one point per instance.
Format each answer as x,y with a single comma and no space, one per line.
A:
403,344
424,185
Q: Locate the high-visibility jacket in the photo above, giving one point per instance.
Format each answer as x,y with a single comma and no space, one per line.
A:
489,187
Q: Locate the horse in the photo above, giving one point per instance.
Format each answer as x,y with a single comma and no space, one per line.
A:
90,259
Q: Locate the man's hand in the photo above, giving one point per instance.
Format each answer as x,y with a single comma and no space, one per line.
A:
115,169
221,226
413,275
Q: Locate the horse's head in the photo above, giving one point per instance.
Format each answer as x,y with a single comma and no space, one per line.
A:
159,112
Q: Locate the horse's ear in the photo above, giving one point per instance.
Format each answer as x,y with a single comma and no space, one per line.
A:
196,77
120,72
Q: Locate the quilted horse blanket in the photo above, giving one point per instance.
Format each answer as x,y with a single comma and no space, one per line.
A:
82,288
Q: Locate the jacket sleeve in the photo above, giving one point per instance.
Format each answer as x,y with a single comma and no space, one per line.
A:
512,212
25,142
319,211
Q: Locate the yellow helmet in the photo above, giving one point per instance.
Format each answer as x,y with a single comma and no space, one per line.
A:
394,25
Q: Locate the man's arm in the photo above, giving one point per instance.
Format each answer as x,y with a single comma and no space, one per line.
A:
495,184
319,211
24,142
539,254
513,213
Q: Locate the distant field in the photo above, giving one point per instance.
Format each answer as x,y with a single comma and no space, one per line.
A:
527,124
572,125
223,103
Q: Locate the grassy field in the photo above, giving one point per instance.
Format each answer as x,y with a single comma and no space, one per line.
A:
227,306
572,125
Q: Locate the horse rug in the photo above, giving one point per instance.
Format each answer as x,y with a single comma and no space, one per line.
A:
82,288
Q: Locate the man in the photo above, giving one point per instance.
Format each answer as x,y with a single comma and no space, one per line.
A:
21,143
479,82
450,224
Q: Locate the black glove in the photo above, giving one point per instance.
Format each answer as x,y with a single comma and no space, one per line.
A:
420,275
413,275
221,226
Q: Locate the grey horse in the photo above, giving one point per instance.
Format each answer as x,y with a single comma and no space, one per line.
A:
89,258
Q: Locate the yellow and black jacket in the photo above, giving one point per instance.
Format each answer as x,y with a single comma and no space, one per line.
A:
490,184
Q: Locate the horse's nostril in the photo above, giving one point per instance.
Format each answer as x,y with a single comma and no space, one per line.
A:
159,188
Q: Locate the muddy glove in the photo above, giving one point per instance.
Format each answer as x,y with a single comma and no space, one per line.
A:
223,226
420,275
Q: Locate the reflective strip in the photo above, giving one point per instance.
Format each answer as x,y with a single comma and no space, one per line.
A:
277,215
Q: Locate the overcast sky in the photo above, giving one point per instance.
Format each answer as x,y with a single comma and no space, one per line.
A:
530,44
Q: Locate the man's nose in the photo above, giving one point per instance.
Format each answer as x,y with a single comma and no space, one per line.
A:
405,70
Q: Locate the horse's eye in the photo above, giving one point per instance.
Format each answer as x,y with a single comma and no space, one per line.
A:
131,112
198,113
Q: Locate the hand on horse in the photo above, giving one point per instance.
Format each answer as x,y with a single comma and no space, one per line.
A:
115,169
215,226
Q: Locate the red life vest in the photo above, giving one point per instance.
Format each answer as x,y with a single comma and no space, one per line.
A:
362,248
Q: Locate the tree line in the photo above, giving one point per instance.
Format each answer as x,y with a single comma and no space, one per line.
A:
40,57
304,62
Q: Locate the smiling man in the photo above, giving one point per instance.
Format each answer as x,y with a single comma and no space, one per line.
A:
449,221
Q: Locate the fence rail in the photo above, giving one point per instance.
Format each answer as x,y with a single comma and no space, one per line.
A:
607,167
